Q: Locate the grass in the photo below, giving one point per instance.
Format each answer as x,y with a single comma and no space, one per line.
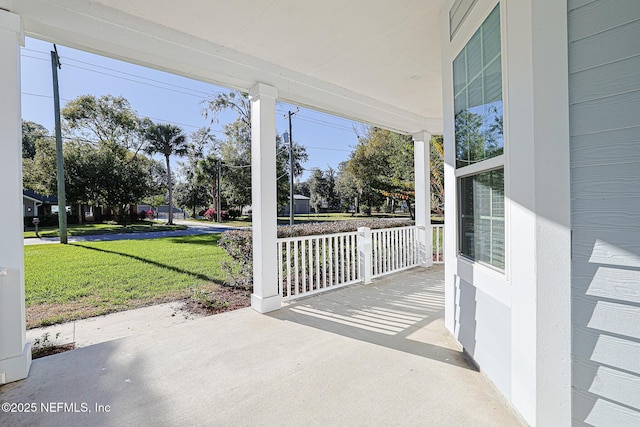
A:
67,282
102,228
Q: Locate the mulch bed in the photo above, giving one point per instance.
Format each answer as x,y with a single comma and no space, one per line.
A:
51,349
223,299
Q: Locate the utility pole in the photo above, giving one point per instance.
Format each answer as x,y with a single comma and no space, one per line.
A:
62,199
218,195
292,206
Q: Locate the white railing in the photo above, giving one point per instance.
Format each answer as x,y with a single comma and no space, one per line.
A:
394,249
312,264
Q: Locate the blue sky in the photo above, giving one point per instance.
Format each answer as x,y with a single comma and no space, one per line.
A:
165,98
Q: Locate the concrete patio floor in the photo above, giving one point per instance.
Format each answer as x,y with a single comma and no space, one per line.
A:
373,354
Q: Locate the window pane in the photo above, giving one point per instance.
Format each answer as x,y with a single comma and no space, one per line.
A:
477,75
491,37
482,217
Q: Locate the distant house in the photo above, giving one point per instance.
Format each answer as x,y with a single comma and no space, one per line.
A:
301,203
162,212
34,204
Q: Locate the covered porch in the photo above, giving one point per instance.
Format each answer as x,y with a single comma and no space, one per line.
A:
375,354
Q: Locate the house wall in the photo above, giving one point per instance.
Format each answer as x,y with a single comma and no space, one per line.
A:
604,84
515,323
28,207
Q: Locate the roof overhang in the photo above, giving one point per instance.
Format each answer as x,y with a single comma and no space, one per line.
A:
376,62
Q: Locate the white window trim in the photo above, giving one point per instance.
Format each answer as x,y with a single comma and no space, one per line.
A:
496,162
477,16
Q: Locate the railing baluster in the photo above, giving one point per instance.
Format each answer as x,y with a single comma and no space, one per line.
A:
342,252
332,258
310,262
280,266
354,256
403,262
317,263
303,271
288,269
394,245
324,262
295,267
347,250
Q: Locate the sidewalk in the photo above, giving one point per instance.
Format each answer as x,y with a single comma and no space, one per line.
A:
95,330
194,228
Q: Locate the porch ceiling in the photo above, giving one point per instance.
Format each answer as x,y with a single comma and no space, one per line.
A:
377,62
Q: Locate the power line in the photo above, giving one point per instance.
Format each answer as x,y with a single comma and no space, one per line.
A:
203,94
328,149
137,114
321,122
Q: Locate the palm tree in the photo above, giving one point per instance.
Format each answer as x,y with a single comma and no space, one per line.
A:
167,140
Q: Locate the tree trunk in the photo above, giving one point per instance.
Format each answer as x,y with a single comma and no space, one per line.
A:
194,207
214,192
170,221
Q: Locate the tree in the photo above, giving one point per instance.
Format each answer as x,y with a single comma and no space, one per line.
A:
302,188
107,120
235,151
318,188
31,132
436,160
382,165
82,178
168,140
191,191
39,172
322,189
346,187
207,175
112,129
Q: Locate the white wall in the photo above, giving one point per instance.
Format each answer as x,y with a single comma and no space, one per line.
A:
516,324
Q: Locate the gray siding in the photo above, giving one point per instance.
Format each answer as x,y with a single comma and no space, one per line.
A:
458,13
604,96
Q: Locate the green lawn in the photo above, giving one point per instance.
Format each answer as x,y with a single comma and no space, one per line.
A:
100,228
65,282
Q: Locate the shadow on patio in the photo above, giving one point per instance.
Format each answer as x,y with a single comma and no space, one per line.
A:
373,354
393,312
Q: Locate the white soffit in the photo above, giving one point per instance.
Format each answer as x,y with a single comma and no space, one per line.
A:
373,61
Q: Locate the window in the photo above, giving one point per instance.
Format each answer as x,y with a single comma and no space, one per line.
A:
479,142
482,217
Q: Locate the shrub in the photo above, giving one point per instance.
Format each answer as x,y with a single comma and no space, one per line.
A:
50,220
234,213
210,214
239,243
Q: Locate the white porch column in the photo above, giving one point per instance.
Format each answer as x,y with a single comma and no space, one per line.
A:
15,352
265,295
422,168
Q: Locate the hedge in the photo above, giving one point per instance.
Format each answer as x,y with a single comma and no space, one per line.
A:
239,243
